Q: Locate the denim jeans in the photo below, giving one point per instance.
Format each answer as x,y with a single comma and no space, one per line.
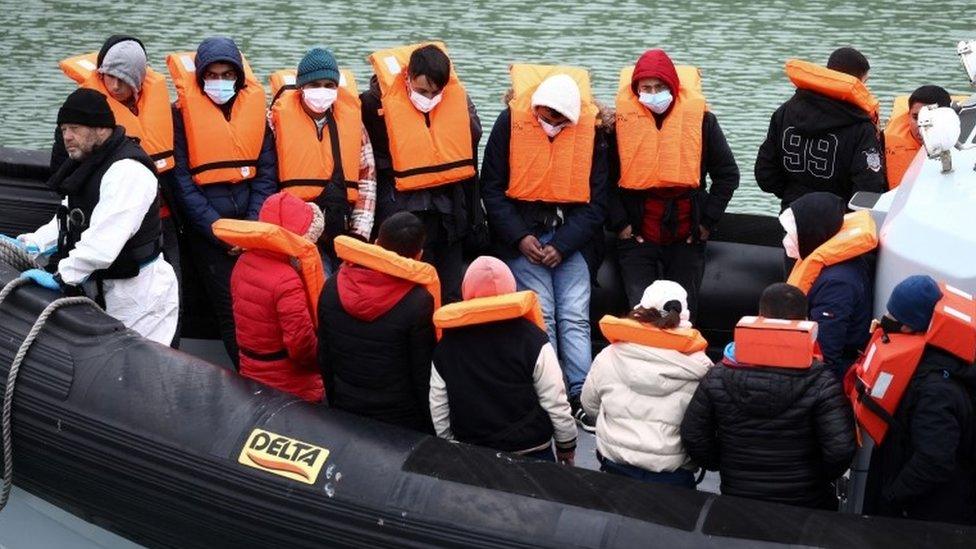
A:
681,477
564,293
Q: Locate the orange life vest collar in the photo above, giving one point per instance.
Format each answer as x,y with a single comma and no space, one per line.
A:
775,342
549,170
306,161
152,124
379,259
683,340
886,369
665,157
834,84
483,310
303,254
858,235
220,150
427,150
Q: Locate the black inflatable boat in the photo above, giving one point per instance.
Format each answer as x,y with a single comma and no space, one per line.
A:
169,450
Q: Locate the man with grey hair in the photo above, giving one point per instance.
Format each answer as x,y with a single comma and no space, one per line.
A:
105,239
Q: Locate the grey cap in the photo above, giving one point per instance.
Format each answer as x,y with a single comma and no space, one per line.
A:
127,62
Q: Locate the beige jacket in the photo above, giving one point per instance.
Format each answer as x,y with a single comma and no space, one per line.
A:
639,395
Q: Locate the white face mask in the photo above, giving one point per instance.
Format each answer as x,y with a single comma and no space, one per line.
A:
790,242
657,102
551,131
318,100
219,90
423,103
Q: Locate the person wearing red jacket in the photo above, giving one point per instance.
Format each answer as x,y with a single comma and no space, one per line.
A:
272,313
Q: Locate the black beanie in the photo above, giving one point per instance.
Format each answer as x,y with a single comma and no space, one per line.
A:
86,107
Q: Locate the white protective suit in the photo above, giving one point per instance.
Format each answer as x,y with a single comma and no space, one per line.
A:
147,303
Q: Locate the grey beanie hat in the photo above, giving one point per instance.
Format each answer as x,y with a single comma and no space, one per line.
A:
127,62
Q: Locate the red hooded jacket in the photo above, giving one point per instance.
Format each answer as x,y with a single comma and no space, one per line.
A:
271,310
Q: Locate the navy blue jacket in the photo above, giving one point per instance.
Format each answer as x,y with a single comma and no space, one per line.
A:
202,205
510,220
841,302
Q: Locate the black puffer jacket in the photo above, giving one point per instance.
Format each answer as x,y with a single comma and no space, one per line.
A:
924,468
775,434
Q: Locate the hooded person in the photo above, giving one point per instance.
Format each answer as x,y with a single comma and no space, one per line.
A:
425,132
140,102
923,469
841,299
225,161
105,240
543,214
775,433
666,143
376,333
824,138
273,314
639,387
491,373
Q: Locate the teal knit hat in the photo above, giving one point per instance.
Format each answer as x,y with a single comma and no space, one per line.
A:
318,64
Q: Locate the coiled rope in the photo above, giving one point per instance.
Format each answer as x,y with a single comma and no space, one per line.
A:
20,260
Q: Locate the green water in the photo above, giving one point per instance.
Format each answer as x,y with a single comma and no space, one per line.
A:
740,47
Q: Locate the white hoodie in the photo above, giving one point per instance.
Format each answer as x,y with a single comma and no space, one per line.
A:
639,395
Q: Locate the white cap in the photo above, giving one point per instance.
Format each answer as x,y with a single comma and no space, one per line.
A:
560,93
662,291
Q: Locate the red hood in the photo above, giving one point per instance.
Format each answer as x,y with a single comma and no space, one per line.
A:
367,294
657,64
287,211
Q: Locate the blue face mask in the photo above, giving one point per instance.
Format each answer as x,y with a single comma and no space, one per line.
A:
657,102
219,90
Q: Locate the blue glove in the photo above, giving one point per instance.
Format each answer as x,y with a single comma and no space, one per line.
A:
43,278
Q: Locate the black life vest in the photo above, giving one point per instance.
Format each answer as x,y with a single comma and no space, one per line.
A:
81,183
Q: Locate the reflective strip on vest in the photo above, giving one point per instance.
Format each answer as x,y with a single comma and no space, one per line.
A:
305,161
153,126
683,340
540,169
775,342
858,235
382,260
483,310
427,150
833,84
671,156
220,150
258,235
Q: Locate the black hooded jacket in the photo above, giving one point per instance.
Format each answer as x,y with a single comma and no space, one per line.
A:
924,468
775,434
841,300
816,143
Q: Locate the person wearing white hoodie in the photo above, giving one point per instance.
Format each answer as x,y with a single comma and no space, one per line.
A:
639,388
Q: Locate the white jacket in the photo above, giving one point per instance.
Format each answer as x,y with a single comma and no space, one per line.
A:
147,303
639,395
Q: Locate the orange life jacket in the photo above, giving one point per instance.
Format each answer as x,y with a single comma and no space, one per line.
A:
775,342
379,259
900,146
305,160
483,310
258,235
427,150
886,369
858,235
671,156
541,169
833,84
220,150
152,126
683,340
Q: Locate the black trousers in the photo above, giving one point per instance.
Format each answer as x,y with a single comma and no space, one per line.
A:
214,266
641,263
171,253
445,252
